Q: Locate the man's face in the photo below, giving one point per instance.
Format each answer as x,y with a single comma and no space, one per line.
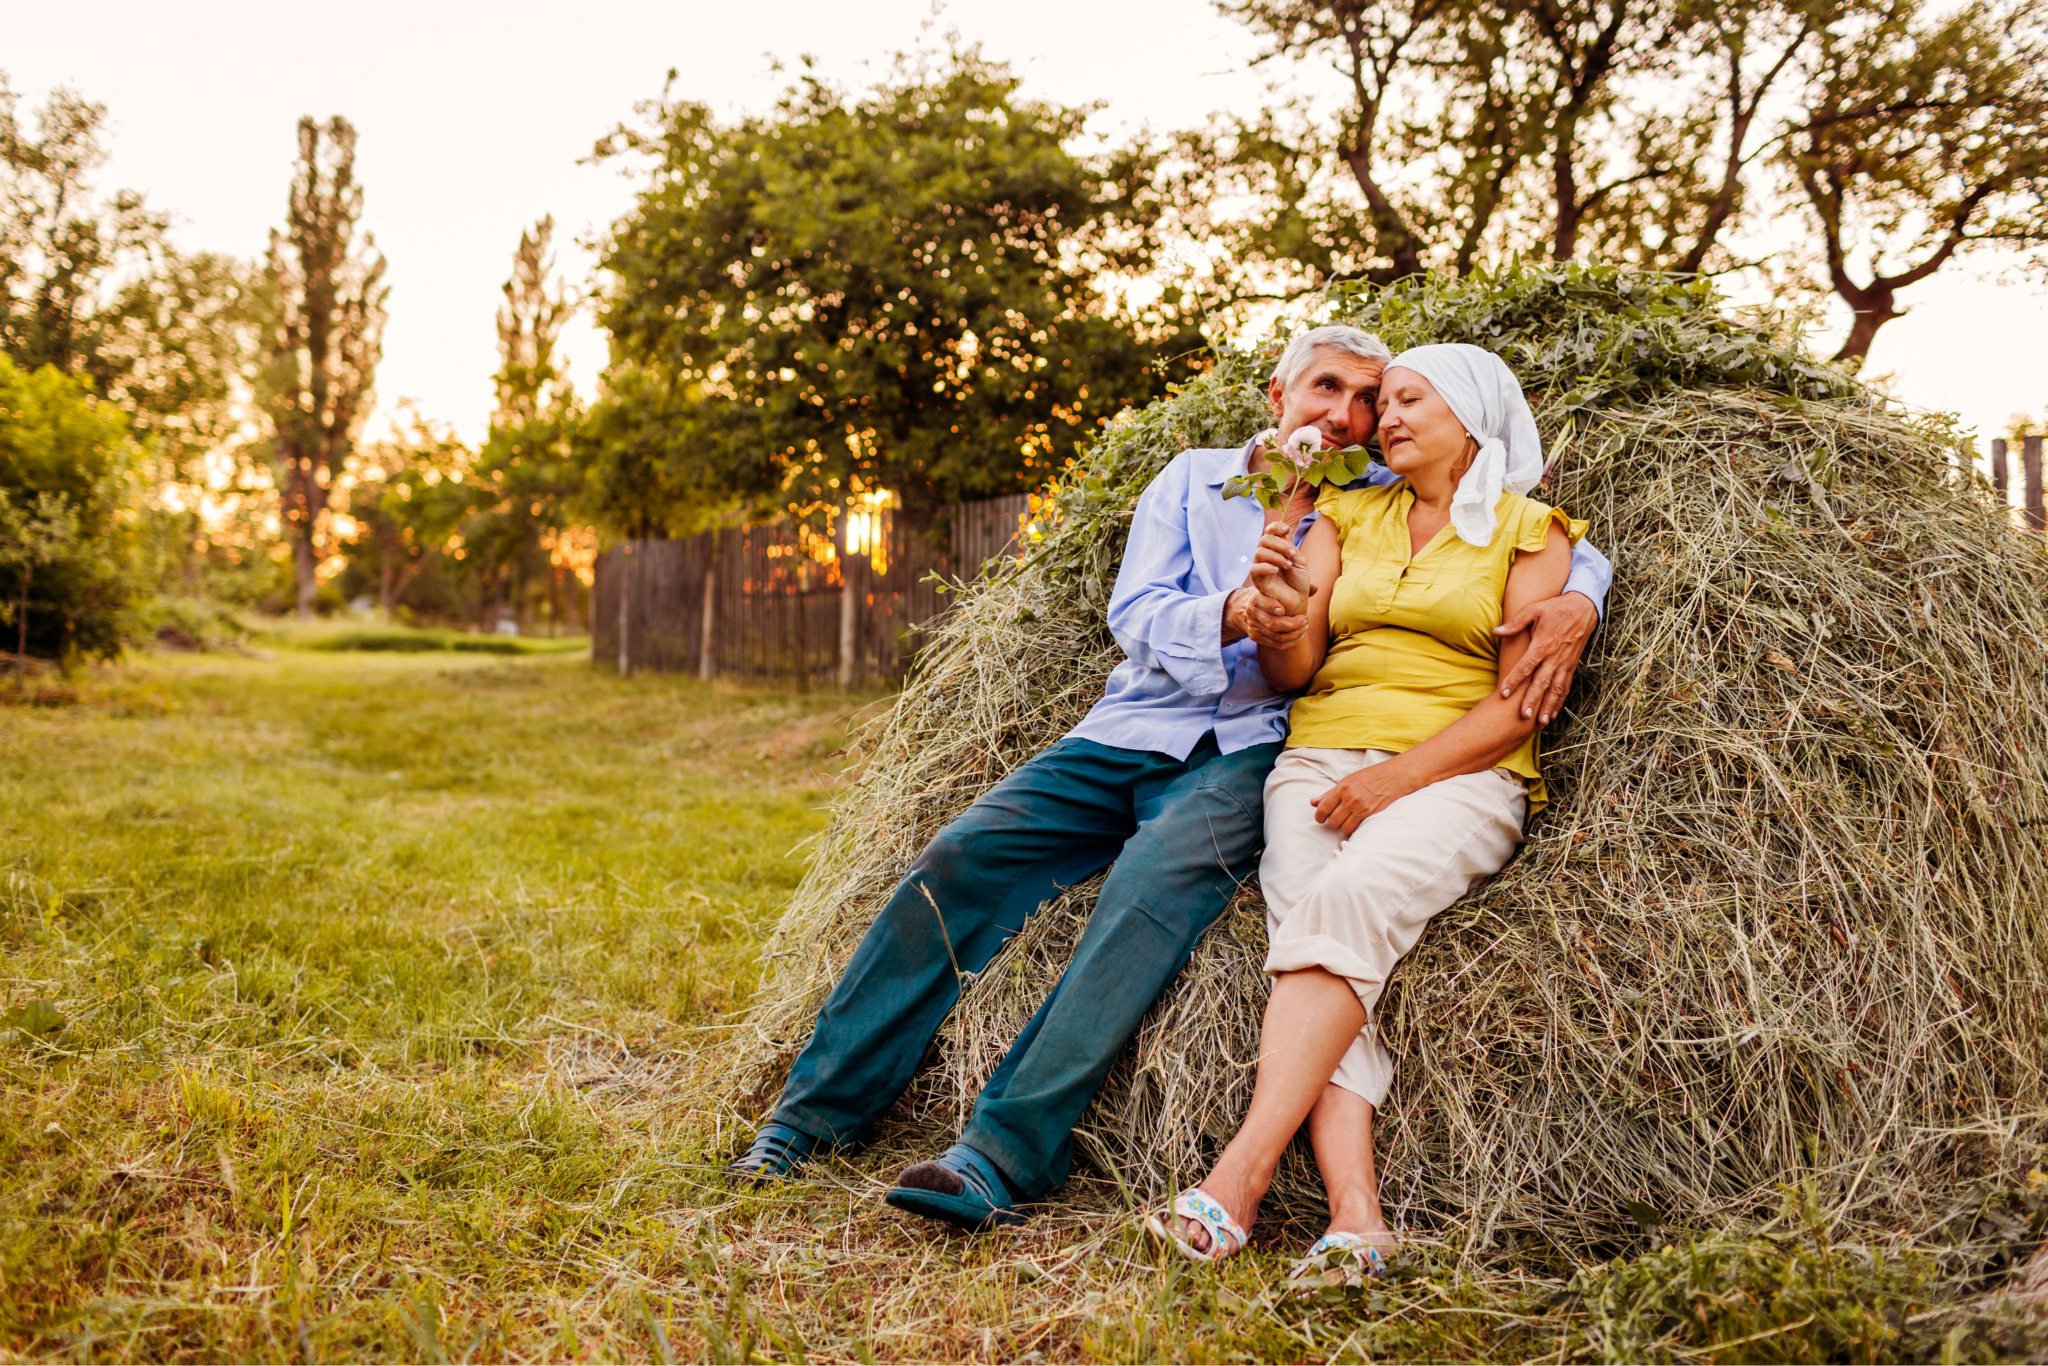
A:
1336,393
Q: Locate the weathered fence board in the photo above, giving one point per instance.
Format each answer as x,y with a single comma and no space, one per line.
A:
758,603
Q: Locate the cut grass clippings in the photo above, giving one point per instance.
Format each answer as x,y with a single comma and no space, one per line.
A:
367,1006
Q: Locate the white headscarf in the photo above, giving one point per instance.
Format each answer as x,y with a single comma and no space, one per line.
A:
1484,395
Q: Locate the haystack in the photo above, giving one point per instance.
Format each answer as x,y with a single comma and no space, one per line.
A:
1786,924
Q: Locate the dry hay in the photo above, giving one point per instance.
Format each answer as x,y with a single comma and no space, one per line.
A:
1784,925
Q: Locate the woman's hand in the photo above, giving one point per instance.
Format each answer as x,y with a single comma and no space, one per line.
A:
1365,793
1279,572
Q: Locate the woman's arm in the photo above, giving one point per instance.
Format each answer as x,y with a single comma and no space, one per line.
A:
1479,739
1299,578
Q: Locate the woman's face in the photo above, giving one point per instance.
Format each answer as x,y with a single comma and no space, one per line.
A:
1418,431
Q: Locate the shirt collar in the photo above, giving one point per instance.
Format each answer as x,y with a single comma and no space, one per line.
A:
1235,468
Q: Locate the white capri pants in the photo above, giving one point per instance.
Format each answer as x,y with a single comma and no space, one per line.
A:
1354,906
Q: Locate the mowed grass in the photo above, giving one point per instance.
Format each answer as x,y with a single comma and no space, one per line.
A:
355,954
373,1006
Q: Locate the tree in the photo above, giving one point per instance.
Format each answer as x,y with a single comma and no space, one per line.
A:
324,281
40,536
93,286
525,475
1749,49
529,384
1924,134
409,501
1647,133
896,288
58,241
1472,128
68,489
1373,46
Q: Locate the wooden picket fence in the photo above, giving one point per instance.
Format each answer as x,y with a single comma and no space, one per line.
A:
764,603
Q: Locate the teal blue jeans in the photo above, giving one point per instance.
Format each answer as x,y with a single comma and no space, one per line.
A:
1182,835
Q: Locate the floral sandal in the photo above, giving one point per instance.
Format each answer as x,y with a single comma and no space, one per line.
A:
1226,1239
1338,1261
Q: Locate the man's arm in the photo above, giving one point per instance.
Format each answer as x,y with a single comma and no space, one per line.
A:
1591,576
1154,618
1558,630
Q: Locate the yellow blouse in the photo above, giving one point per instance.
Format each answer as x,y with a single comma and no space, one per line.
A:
1411,636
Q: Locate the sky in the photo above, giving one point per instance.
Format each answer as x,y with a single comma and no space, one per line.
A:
474,120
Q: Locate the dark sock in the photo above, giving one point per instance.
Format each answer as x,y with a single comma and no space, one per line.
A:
930,1176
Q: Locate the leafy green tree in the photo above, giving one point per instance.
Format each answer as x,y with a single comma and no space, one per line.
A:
1923,135
1472,129
68,489
323,282
39,536
92,285
409,501
58,240
1651,133
642,450
892,288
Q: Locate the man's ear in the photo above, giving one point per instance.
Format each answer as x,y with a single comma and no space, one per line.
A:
1276,396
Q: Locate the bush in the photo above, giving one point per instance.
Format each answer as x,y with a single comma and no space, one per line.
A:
68,490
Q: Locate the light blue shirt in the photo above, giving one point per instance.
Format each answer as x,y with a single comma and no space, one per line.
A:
1189,549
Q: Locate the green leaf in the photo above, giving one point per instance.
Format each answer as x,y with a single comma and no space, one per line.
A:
40,1018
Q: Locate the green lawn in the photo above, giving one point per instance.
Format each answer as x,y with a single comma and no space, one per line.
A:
371,1006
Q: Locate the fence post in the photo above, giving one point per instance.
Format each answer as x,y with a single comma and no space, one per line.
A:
848,606
706,666
1999,477
625,595
2031,461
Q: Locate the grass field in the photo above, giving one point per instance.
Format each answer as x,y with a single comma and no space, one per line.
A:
364,1006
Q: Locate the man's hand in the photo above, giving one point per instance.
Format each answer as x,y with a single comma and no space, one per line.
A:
1248,612
1558,629
1279,573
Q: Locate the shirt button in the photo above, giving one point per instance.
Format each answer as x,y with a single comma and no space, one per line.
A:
1244,559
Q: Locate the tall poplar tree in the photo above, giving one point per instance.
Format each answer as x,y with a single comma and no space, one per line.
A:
524,475
325,281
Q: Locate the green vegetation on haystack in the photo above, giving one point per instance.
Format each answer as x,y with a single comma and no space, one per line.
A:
1785,930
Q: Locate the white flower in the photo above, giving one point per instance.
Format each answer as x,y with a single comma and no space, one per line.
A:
1304,445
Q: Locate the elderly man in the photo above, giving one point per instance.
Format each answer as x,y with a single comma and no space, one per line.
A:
1164,780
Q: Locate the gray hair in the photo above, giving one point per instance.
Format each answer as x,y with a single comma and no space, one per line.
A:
1337,337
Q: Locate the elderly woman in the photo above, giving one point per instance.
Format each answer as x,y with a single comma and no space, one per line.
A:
1408,771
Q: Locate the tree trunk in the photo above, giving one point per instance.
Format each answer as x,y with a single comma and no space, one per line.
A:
1391,235
1564,239
312,501
306,569
28,570
384,580
1873,310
